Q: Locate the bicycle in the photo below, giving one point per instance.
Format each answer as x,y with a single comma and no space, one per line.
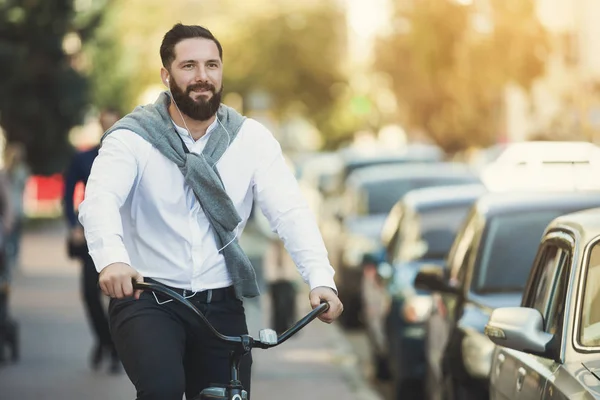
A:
242,344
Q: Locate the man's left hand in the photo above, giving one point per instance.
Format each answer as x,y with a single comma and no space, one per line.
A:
323,293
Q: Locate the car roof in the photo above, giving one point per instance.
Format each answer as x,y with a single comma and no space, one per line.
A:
443,196
380,173
508,202
410,152
547,151
586,223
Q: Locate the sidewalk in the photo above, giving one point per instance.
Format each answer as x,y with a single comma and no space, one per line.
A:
318,363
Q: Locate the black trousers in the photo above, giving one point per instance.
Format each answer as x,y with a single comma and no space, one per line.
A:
92,299
167,350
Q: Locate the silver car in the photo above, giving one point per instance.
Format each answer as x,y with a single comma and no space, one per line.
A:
549,348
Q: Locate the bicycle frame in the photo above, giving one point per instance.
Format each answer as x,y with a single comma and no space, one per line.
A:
243,344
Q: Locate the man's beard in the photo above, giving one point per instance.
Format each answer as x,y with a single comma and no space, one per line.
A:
201,109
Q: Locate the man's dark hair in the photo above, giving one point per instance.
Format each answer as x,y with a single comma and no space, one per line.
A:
180,32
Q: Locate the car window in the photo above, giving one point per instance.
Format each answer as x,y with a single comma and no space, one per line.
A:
390,231
391,224
549,286
392,247
589,330
546,267
509,246
429,234
379,197
556,307
462,249
408,234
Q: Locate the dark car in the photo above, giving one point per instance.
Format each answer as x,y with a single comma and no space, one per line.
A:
487,268
426,222
549,348
333,184
413,154
370,195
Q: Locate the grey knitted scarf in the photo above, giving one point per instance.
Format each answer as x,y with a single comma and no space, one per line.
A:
153,123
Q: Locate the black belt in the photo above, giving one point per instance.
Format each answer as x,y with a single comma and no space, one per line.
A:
206,296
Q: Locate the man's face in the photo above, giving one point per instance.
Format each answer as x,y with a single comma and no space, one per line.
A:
195,75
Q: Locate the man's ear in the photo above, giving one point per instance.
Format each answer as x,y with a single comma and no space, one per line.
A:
164,76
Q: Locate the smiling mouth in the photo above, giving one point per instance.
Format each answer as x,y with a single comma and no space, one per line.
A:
201,92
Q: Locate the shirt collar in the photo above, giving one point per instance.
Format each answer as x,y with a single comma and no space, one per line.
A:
184,132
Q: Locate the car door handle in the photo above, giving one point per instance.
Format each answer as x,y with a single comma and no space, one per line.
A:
521,378
500,361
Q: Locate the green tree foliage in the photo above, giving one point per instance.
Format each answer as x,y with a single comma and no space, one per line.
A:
42,95
293,57
291,52
450,63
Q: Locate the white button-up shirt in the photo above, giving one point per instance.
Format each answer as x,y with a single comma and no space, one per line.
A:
138,210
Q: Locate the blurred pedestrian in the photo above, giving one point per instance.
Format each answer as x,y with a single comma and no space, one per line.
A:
281,275
168,198
79,172
17,175
8,327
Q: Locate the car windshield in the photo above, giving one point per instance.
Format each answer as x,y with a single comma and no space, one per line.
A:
429,234
510,243
380,196
589,332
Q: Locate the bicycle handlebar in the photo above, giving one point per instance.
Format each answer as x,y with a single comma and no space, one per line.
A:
322,308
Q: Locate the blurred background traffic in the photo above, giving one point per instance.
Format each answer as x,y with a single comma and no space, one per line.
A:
435,140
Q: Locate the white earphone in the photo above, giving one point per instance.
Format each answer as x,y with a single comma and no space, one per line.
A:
229,142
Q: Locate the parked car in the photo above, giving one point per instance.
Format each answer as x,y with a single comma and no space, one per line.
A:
413,154
369,197
425,223
487,268
345,163
550,166
549,348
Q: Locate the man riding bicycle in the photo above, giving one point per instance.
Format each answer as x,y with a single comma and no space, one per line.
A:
167,199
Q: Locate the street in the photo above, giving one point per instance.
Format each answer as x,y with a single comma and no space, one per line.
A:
359,343
55,341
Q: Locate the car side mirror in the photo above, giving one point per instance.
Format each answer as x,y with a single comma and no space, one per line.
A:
433,278
519,328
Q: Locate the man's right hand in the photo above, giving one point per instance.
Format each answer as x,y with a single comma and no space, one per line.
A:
115,280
